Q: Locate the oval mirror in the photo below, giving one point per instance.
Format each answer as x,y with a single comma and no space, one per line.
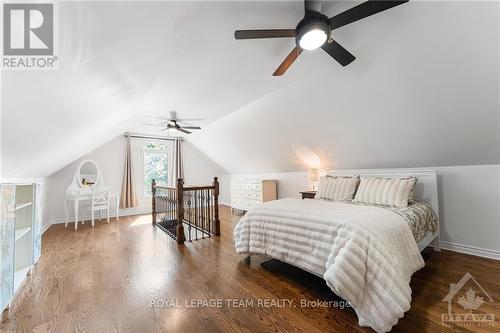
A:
88,173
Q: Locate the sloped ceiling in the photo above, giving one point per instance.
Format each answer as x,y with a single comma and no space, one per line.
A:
424,89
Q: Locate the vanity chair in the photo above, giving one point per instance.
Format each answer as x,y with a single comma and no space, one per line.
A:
89,189
99,202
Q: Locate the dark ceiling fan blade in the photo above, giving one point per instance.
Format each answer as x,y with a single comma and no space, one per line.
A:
183,131
361,11
269,33
312,6
288,61
337,52
191,127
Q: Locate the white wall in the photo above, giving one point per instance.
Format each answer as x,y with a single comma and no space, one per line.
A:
198,169
469,201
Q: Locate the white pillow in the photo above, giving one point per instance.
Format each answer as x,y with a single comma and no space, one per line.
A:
337,188
385,191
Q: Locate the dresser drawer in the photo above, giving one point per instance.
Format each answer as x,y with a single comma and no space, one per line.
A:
248,186
253,195
257,187
252,203
238,194
238,204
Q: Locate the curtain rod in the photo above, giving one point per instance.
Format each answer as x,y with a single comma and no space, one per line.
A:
151,137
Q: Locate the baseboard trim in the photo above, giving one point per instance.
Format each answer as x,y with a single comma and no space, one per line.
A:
45,227
59,220
472,250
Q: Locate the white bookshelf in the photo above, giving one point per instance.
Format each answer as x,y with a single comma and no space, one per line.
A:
20,233
23,248
23,205
20,236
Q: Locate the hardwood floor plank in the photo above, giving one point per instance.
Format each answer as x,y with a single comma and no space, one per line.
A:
118,277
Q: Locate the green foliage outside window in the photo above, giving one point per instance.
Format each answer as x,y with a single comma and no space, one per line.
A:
155,162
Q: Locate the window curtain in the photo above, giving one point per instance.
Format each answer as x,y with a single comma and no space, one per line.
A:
177,168
128,197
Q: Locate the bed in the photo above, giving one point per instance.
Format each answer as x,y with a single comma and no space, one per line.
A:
365,253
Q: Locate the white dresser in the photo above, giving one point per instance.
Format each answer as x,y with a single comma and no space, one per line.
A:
247,193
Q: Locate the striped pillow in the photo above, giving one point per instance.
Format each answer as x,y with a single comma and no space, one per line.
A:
337,188
385,191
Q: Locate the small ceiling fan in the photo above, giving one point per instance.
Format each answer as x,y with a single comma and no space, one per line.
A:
172,124
315,30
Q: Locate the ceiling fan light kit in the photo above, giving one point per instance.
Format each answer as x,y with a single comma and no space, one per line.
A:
312,32
315,30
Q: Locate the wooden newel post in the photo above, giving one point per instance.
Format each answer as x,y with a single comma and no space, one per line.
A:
180,211
216,207
153,192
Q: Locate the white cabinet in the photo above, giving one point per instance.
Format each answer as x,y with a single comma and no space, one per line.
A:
20,235
245,194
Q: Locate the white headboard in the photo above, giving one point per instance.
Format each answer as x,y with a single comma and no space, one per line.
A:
425,189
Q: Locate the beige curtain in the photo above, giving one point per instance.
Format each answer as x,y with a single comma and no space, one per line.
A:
177,168
128,198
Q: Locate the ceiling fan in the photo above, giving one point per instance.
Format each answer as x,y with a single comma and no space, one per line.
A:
315,30
172,124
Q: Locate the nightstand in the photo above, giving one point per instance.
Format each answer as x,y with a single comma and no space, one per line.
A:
308,194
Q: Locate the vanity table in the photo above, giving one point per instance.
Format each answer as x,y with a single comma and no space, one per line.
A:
87,177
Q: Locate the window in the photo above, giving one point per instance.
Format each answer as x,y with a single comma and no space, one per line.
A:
155,165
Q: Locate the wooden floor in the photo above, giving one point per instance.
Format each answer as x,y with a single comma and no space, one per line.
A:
127,276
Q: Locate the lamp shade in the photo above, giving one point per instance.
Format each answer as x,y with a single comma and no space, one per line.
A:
313,175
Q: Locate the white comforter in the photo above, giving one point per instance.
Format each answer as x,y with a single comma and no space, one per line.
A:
366,254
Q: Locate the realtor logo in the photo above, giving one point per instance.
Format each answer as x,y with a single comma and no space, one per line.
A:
28,36
469,299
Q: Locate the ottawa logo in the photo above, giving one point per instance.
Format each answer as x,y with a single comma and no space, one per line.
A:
469,300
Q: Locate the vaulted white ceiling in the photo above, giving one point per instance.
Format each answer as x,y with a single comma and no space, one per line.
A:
424,89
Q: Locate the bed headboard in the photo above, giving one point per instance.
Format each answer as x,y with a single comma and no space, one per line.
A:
425,189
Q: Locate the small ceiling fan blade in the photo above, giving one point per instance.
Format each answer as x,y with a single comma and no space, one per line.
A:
269,33
288,61
312,6
159,117
337,52
154,124
361,11
183,120
191,127
183,131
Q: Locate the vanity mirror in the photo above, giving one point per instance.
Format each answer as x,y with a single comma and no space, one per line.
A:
88,173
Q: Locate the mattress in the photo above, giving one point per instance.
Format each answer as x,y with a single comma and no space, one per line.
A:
366,254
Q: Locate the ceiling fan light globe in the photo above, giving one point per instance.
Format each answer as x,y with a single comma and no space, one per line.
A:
172,130
313,39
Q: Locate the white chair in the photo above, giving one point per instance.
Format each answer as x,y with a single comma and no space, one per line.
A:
100,202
